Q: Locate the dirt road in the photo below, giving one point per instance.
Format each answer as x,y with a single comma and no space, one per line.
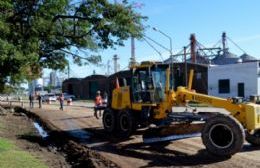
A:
79,122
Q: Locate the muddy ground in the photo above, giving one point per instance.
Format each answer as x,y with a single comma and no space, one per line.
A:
77,122
56,150
21,131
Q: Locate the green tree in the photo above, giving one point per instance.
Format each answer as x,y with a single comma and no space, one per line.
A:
37,34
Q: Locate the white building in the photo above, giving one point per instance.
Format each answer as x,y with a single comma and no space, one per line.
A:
232,80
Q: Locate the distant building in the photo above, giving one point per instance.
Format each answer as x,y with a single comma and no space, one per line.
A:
200,83
53,79
247,58
232,80
200,60
72,86
91,84
200,78
46,81
227,76
225,58
59,82
85,88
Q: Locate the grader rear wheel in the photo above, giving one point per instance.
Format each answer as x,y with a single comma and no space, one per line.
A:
109,120
254,138
126,123
223,135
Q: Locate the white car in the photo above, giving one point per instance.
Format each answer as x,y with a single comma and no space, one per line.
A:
49,96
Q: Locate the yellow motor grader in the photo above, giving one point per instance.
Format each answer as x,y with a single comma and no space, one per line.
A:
149,99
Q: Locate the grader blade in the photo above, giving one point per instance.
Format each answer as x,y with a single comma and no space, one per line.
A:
172,132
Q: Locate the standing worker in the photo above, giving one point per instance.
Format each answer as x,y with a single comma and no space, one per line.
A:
98,104
40,100
61,99
31,99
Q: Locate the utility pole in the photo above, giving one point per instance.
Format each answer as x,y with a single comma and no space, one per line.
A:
132,59
224,42
115,58
167,36
186,67
193,48
68,70
171,55
108,67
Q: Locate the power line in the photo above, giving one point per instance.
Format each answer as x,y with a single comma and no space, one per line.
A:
153,48
236,45
156,42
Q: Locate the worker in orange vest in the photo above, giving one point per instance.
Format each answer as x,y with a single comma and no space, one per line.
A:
98,103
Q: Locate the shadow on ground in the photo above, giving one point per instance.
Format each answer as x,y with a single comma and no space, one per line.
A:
154,154
159,155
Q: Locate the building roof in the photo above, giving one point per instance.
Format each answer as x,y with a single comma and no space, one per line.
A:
247,58
200,59
93,77
170,60
194,64
226,58
72,80
125,73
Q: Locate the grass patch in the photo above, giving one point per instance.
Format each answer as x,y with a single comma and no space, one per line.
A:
11,156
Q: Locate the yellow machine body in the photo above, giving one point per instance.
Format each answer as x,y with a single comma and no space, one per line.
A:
247,113
121,100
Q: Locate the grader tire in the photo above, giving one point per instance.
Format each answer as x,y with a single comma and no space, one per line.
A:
109,120
126,123
254,138
223,135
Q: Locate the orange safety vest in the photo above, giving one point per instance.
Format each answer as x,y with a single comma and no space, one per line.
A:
98,100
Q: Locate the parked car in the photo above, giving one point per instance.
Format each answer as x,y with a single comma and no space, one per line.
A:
69,96
66,96
49,96
2,98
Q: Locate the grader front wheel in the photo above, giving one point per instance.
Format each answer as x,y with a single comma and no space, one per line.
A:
223,135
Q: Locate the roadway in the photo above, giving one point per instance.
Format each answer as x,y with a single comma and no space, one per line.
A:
78,121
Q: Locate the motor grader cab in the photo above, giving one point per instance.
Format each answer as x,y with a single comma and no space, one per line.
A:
148,84
150,97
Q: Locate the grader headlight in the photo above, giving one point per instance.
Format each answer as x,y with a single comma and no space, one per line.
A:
258,111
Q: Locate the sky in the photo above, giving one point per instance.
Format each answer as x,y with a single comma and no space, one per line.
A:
240,19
